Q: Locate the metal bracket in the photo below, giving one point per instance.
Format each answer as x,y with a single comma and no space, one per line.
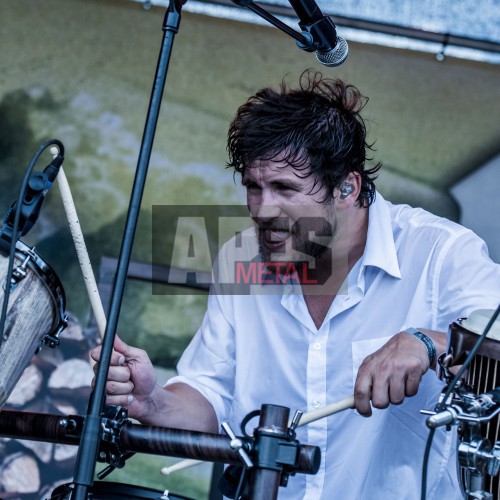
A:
113,418
19,273
51,339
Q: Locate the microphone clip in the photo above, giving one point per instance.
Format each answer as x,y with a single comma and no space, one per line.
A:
317,35
31,203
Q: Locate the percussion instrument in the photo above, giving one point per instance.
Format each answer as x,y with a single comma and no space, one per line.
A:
483,374
111,491
35,314
270,446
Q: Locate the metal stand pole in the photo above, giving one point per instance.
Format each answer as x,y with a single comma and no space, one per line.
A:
85,465
265,477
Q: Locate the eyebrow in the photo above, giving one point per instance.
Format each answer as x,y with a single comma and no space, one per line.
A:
288,183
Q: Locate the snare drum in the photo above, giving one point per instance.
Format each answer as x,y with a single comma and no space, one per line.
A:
112,491
483,374
36,310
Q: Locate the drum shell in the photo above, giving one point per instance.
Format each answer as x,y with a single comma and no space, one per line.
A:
36,308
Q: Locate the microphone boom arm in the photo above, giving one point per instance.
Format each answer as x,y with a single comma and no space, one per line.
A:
318,35
304,40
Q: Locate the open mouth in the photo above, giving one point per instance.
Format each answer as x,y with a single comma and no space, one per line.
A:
274,240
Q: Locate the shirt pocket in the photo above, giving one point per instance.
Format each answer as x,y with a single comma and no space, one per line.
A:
360,350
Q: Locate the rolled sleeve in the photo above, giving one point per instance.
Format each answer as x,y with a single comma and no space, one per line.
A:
208,363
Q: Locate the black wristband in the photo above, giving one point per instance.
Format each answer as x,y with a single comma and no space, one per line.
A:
427,341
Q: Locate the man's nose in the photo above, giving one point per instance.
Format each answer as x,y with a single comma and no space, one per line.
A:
265,213
264,207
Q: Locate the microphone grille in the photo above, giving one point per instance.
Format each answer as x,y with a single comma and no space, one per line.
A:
335,56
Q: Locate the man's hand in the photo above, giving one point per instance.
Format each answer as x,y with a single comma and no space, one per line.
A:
131,379
393,372
132,383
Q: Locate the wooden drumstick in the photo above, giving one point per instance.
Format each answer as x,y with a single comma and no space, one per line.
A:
305,419
183,464
312,416
81,248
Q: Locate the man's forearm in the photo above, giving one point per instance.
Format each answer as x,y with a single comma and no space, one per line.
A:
179,406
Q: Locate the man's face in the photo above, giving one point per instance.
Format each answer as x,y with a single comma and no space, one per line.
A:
295,220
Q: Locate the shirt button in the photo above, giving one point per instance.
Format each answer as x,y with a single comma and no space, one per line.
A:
316,404
317,346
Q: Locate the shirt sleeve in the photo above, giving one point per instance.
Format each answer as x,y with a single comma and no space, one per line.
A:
208,363
468,280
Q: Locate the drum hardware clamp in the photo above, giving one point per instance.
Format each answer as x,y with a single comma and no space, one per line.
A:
275,446
465,406
51,339
112,420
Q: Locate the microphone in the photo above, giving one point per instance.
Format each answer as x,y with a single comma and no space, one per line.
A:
31,203
320,34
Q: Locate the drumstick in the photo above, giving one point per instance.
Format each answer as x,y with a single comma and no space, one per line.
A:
183,464
305,419
312,416
81,248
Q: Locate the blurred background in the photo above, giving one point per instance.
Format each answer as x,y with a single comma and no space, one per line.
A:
82,71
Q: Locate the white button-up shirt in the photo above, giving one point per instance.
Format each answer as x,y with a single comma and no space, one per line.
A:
417,270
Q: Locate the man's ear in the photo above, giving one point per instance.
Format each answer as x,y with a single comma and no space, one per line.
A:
345,190
351,187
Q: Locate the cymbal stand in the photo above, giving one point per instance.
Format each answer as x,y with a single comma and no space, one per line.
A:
89,446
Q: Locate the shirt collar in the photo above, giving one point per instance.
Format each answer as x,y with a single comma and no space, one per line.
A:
380,249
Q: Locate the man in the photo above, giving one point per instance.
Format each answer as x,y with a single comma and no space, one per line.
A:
307,339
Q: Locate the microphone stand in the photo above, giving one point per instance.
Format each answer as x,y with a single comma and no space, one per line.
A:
89,445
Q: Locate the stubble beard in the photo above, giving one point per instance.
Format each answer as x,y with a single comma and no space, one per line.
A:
305,252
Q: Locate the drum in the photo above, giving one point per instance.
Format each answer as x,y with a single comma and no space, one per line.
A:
483,374
35,311
112,491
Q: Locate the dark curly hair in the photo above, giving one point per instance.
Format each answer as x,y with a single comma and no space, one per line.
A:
317,125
